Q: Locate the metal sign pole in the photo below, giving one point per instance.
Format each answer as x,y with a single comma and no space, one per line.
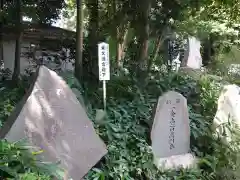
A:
104,95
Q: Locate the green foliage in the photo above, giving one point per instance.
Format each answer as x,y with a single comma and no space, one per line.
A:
126,128
16,161
10,94
41,11
127,125
8,100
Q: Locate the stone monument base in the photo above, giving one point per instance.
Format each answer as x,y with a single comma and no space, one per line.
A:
176,162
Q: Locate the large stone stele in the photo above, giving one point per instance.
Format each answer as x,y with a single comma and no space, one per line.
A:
170,133
192,57
228,113
51,118
228,110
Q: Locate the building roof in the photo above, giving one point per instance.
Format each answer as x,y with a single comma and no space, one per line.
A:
39,32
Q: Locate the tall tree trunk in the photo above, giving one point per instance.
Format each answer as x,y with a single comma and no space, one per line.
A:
79,41
16,71
144,11
93,38
1,33
121,44
208,50
158,43
121,29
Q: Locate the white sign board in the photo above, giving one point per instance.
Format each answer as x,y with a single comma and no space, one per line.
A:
103,61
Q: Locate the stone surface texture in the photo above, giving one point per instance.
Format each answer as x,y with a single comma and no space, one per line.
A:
170,133
193,57
53,120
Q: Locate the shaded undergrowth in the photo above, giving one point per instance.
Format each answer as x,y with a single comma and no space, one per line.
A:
126,128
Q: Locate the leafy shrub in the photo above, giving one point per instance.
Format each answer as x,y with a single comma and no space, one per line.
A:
8,100
126,129
5,74
17,162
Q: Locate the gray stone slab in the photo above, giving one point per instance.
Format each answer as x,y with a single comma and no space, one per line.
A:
228,110
175,162
170,133
51,118
192,57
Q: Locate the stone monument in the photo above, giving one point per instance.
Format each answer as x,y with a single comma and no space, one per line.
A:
51,118
170,133
228,110
192,56
228,114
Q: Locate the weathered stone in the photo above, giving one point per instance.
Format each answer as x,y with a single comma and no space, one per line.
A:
78,94
176,162
192,57
228,110
170,133
51,118
228,114
100,115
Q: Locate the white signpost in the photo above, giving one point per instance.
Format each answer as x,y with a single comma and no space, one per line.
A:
104,67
